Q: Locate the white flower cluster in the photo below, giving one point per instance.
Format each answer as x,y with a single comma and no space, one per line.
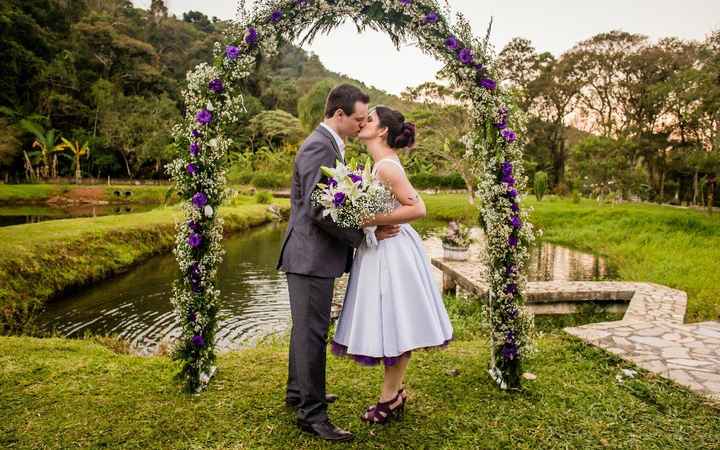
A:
350,195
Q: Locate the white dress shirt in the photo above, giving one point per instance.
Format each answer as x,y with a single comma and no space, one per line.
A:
338,139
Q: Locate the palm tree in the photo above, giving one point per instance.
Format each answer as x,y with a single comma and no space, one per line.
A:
45,141
77,151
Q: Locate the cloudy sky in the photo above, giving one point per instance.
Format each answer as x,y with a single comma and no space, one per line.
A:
552,25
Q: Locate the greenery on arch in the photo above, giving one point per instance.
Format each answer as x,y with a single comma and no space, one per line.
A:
214,101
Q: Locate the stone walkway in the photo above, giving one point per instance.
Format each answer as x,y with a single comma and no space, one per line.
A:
651,334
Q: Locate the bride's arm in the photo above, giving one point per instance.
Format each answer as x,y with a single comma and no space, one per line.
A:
412,208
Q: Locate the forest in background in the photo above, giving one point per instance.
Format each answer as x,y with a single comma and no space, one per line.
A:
91,88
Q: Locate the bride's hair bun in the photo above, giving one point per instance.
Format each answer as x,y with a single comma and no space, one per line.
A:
401,134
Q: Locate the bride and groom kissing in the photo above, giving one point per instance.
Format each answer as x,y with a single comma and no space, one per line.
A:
392,305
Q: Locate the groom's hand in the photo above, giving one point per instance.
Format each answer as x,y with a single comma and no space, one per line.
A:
387,231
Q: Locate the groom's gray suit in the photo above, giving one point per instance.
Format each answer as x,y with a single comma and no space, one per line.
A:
315,251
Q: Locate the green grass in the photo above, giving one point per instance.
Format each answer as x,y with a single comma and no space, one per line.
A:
61,393
679,248
12,194
43,259
676,247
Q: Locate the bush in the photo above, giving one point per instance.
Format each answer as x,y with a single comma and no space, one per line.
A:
430,181
264,198
268,180
540,184
576,197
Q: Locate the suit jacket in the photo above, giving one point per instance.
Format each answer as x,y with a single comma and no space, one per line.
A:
314,245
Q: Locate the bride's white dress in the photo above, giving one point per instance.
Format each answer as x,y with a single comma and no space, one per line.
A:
392,304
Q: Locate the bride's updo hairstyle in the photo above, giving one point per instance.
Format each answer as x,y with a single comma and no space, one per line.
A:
401,134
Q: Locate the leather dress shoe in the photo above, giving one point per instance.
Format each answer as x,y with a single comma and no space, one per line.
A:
325,430
329,398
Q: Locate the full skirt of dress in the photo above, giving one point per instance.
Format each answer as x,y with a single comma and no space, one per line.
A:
392,305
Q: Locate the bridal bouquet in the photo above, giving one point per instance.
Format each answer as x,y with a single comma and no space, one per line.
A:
350,196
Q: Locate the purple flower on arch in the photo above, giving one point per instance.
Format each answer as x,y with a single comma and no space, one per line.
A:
232,52
509,351
196,134
516,222
512,193
488,84
194,148
276,16
216,86
452,43
509,135
203,117
199,200
339,199
511,288
406,2
513,241
355,178
194,226
510,270
192,168
514,207
198,341
431,17
502,118
194,240
465,56
251,36
507,168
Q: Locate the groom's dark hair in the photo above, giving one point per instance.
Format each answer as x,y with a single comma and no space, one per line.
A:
344,97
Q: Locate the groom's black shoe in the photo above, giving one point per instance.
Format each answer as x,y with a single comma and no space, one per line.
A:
325,430
329,398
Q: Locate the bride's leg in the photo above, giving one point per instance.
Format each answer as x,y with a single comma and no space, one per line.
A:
394,376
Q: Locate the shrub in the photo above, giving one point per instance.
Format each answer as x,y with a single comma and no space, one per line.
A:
264,198
540,184
268,180
426,180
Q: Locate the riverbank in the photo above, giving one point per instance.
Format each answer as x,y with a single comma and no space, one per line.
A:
44,259
61,393
69,194
675,247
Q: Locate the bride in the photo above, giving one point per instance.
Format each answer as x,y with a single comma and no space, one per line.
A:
392,305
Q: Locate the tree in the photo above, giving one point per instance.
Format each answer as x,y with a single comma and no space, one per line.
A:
77,151
46,143
137,128
274,128
10,145
200,20
311,106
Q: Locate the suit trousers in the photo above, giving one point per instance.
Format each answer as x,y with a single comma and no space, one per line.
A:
310,302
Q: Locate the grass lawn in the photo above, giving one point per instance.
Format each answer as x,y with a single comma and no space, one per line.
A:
62,393
676,247
39,193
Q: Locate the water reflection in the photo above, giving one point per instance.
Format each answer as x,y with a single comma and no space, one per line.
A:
254,301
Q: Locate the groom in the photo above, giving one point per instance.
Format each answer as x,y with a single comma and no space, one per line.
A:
315,252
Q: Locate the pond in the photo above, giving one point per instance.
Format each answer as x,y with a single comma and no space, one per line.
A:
20,215
136,305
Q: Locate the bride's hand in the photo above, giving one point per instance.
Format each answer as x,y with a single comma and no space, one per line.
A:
387,231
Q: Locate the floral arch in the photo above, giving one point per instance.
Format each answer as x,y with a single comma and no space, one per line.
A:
213,100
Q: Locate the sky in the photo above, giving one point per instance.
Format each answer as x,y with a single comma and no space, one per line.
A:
551,25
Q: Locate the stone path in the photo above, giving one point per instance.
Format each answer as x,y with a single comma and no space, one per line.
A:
651,334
